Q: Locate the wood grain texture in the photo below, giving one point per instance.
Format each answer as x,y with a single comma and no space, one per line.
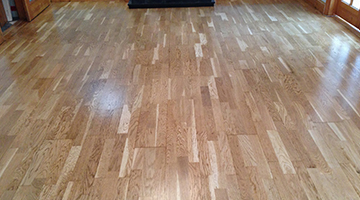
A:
3,18
2,39
246,100
20,9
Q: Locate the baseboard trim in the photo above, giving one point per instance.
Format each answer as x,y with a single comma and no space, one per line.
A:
349,26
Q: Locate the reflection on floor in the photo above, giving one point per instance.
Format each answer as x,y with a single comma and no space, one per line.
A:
245,100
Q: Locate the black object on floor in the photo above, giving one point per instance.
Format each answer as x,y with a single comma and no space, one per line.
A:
6,26
169,3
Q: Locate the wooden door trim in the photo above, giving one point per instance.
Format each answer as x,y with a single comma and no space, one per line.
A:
20,9
34,8
3,18
26,4
348,13
331,7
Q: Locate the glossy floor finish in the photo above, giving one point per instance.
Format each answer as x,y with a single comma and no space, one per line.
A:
246,100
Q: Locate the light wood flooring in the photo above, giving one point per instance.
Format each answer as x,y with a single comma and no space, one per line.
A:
246,100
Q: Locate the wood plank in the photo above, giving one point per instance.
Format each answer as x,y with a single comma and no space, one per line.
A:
2,39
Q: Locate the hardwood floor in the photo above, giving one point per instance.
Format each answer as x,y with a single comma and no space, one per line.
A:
247,100
1,37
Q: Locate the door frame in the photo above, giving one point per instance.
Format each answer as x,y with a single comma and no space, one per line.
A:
20,9
330,7
34,8
3,18
346,12
21,12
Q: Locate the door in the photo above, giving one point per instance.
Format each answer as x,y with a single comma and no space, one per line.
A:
349,10
34,7
3,18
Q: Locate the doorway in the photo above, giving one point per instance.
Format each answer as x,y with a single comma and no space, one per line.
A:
25,10
349,11
11,10
8,14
